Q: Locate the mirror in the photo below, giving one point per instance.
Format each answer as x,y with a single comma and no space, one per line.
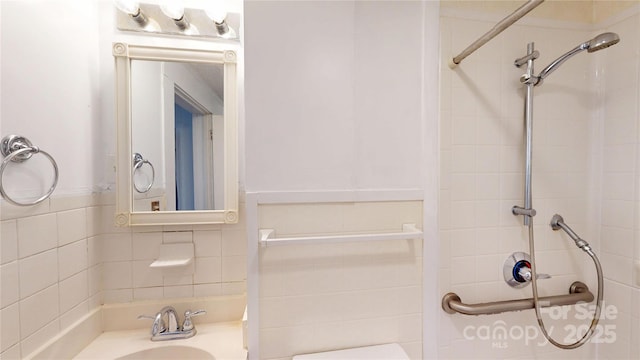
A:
177,136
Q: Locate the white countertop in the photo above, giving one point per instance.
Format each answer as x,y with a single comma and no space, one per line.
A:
221,340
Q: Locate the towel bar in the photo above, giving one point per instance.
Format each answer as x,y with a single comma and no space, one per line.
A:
578,292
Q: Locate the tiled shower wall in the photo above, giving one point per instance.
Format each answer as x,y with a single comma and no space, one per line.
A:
64,258
482,176
619,143
585,168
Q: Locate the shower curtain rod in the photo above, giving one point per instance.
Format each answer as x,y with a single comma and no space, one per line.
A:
497,29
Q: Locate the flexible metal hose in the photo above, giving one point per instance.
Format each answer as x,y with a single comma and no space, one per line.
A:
536,303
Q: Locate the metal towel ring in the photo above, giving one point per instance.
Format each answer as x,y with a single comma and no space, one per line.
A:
19,149
138,161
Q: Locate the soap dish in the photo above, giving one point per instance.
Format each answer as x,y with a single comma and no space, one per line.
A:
174,255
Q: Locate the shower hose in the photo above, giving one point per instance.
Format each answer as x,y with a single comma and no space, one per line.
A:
536,302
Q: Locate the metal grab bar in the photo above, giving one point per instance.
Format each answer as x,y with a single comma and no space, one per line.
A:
578,292
497,29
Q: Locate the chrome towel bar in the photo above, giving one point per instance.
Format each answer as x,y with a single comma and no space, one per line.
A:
578,292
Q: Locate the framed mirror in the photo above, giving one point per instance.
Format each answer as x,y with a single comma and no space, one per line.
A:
176,113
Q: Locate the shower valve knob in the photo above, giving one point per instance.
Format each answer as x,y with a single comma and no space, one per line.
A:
517,270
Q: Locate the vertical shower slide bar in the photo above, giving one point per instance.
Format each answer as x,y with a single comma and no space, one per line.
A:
527,212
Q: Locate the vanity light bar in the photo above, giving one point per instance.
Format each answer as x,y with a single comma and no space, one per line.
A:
151,18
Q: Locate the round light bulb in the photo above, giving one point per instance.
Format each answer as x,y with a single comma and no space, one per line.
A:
216,13
127,6
173,9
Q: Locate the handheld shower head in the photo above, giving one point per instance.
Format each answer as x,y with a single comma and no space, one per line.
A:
599,42
602,41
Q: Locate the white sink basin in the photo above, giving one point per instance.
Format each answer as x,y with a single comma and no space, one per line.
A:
213,341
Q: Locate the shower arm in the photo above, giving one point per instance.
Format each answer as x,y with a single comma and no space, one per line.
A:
559,61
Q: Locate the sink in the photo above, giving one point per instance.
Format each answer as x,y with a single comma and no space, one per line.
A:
213,341
169,352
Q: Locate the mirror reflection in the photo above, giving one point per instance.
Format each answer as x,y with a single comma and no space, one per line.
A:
177,126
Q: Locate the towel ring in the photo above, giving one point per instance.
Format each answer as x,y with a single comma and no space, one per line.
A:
19,149
138,161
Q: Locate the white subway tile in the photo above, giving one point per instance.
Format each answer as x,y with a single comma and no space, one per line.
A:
38,272
487,159
463,242
8,241
38,310
116,247
146,246
207,270
117,275
177,279
489,268
463,186
487,186
37,234
207,243
234,242
150,293
73,291
463,130
9,325
72,226
232,288
144,276
204,290
94,245
463,158
10,290
72,258
12,353
234,268
118,296
169,237
463,270
182,291
94,279
464,214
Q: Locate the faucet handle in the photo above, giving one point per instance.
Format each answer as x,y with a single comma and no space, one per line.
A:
158,324
188,324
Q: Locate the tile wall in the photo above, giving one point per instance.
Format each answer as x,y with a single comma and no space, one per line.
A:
63,258
320,297
585,168
482,176
620,138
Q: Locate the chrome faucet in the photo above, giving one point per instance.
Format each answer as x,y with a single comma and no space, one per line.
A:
160,331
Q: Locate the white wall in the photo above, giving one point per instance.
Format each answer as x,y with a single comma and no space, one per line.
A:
335,103
51,92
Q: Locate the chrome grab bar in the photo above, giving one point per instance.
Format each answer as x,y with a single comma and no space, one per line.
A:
578,292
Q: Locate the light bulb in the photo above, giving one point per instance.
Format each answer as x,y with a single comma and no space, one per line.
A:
173,9
216,13
128,6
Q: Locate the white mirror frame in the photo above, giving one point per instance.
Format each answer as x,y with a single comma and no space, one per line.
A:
125,215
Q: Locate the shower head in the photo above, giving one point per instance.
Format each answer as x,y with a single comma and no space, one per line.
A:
599,42
602,41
